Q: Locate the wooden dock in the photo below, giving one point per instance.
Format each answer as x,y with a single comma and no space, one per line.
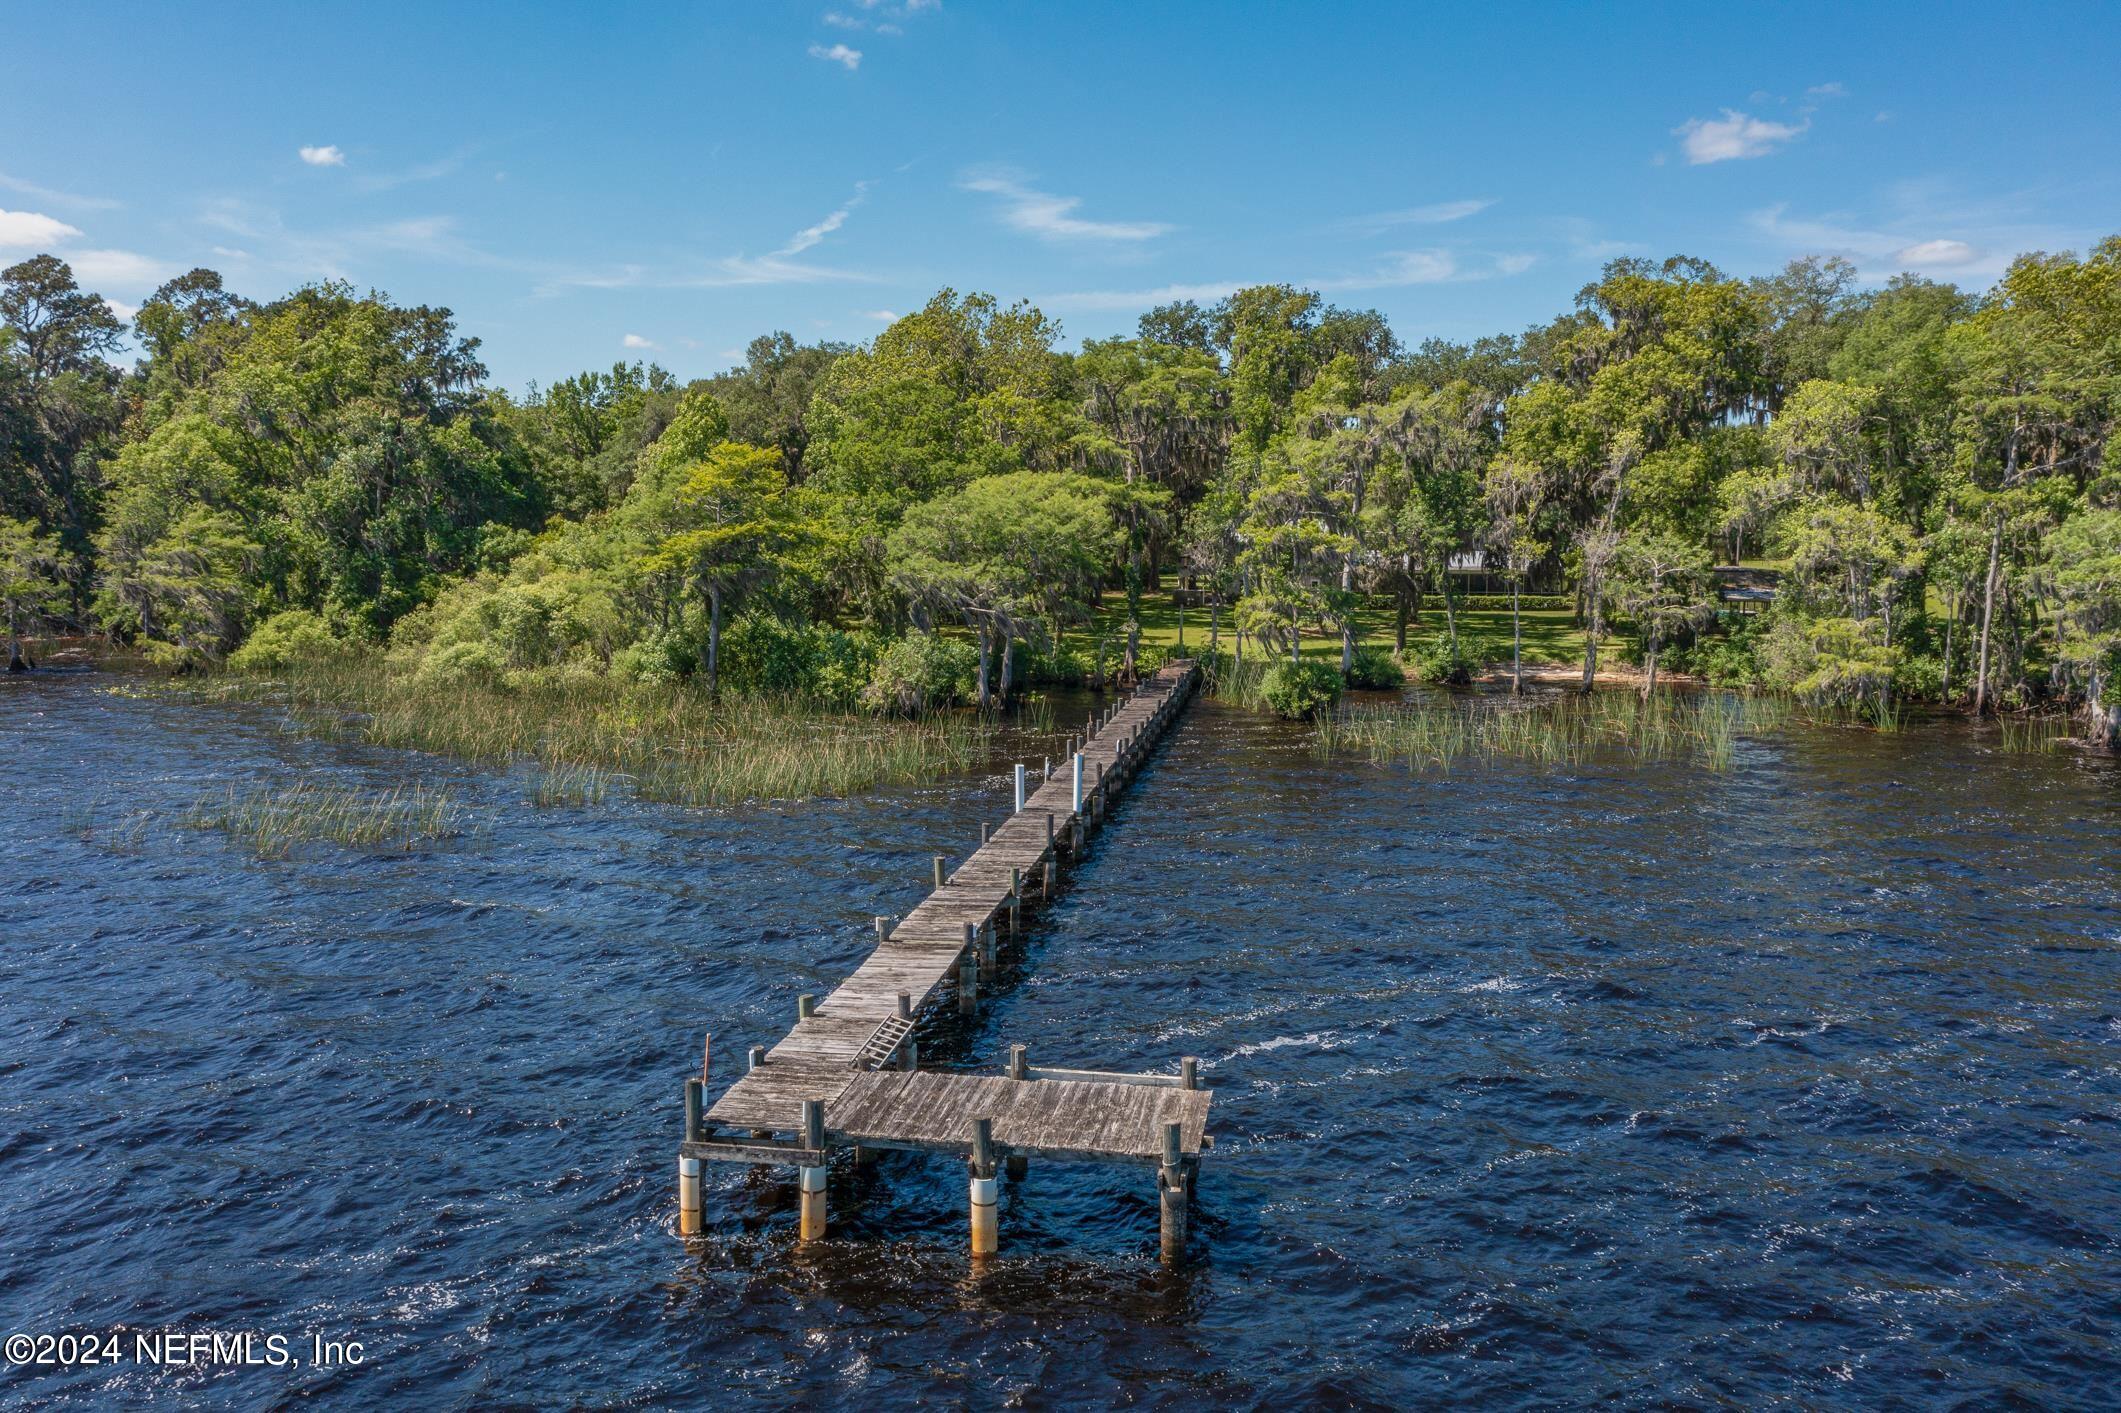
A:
848,1076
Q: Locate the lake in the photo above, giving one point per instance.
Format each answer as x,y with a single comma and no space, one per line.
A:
1799,1081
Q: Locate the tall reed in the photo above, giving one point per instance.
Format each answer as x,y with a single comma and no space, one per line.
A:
673,742
272,822
2033,735
1564,731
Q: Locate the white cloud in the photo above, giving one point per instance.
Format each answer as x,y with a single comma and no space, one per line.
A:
126,269
123,310
842,21
324,156
1514,264
1733,135
850,59
1051,217
1123,300
27,228
1827,90
882,316
1440,213
636,341
1936,255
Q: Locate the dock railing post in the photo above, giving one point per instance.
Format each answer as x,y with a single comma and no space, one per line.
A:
1171,1185
1188,1072
986,1226
1019,787
756,1057
940,860
811,1180
1075,794
805,1006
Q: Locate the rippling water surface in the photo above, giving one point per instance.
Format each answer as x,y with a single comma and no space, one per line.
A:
1800,1082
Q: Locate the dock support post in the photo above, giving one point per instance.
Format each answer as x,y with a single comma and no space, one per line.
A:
811,1181
986,1224
688,1197
1171,1187
805,1006
909,1049
983,832
883,929
1188,1072
1076,793
986,944
968,986
1052,877
1016,1164
939,861
1019,787
1016,903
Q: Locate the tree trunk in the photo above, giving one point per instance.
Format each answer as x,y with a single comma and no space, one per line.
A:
1347,645
1008,666
1951,621
714,638
1988,611
1215,628
1649,683
1592,630
986,658
1516,645
1296,639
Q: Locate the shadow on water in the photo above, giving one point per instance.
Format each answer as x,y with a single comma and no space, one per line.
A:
1797,1081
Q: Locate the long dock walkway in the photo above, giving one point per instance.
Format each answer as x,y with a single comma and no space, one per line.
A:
848,1076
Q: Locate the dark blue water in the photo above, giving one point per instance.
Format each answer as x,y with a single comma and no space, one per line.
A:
1796,1083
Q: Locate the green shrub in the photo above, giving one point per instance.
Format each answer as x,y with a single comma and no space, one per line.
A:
661,658
1919,677
921,672
475,663
1300,690
1441,663
288,639
1052,666
1376,670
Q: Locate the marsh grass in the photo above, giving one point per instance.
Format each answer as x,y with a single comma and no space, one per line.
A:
584,732
1240,683
273,822
1553,733
2033,735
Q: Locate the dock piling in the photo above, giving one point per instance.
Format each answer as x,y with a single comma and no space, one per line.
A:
968,986
986,1225
1019,790
939,862
810,1180
805,1006
1171,1188
688,1197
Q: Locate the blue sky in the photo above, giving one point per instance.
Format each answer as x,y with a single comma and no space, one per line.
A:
589,183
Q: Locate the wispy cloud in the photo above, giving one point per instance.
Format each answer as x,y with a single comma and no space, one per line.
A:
1441,213
1827,90
882,316
1051,217
323,156
809,236
1976,242
848,58
444,166
1734,135
1123,300
635,341
54,197
22,229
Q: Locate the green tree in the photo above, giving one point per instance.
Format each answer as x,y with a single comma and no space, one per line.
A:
30,587
735,533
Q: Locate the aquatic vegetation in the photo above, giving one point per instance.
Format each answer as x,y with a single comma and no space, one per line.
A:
1559,731
2033,735
273,821
674,742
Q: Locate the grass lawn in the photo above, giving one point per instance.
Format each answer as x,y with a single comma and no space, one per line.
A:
1550,637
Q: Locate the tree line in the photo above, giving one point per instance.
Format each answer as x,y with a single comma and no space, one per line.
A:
1927,476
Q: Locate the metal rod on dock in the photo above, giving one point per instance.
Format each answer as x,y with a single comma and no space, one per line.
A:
1019,792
